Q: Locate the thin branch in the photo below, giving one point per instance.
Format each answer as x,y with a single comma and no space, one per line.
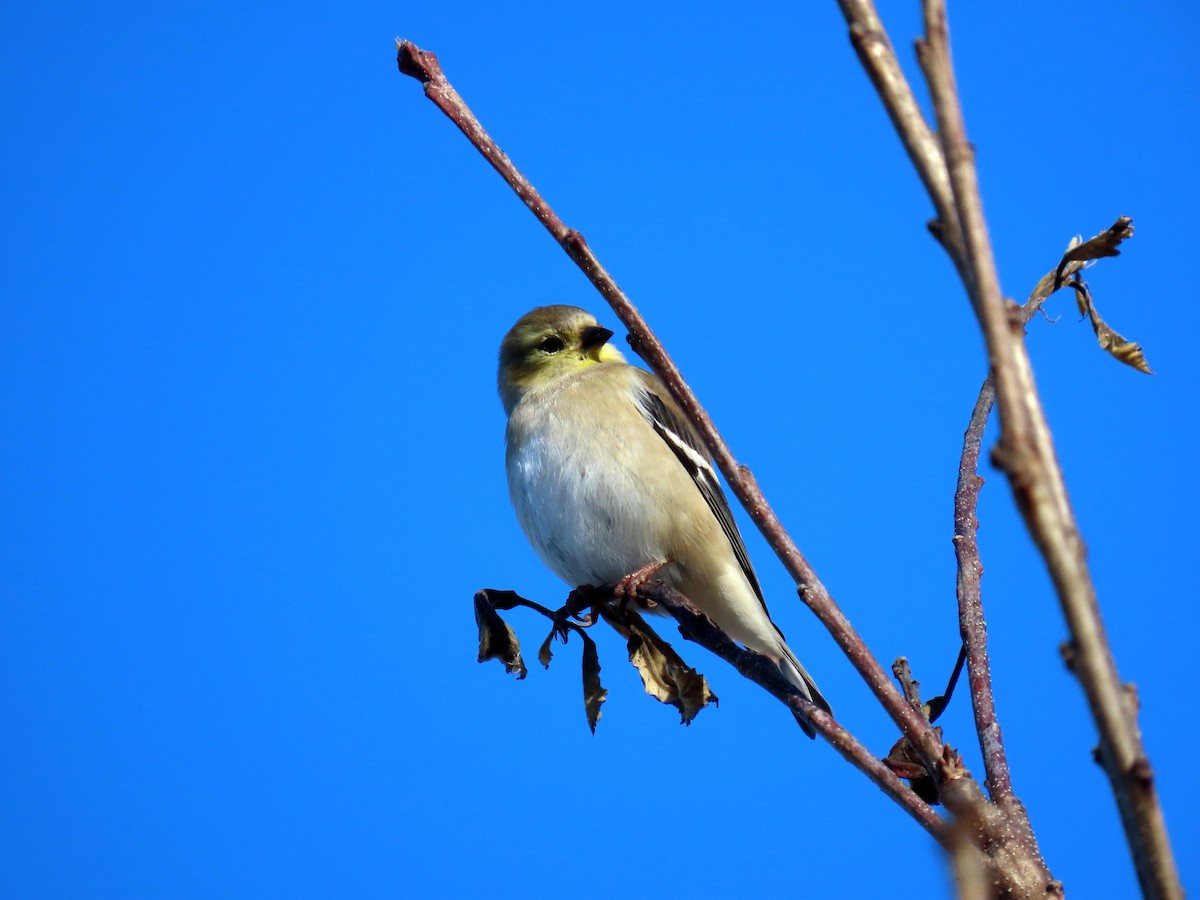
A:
1026,454
423,65
698,628
970,604
973,625
1011,869
910,687
966,524
878,58
1025,451
970,875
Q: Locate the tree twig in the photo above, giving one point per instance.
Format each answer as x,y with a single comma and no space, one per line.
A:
875,52
972,624
1025,451
423,65
878,58
966,501
1002,837
698,628
909,686
1026,454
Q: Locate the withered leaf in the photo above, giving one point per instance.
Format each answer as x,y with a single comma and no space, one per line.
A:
593,693
1079,253
904,761
544,654
1126,351
561,629
934,708
1083,299
665,675
1103,244
496,639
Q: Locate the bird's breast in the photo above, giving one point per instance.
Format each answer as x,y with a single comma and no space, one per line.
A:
582,487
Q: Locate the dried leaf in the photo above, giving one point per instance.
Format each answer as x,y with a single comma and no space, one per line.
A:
904,761
1083,300
1079,253
544,654
561,629
496,639
1126,351
665,675
934,708
593,693
1103,244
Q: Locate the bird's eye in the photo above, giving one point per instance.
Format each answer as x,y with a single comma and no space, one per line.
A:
551,344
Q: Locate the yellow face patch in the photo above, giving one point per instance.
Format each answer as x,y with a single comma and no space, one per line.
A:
543,361
547,343
609,353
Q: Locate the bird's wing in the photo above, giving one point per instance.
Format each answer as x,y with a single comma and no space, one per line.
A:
668,421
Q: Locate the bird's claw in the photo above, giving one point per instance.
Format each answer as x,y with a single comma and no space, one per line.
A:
626,589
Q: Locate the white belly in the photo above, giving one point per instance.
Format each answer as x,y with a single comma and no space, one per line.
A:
587,508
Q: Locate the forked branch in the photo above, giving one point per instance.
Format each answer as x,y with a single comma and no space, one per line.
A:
1004,843
1025,451
945,164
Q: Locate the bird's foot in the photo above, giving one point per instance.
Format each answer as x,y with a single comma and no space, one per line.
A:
580,599
626,589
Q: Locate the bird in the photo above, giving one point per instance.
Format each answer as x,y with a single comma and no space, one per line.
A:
609,480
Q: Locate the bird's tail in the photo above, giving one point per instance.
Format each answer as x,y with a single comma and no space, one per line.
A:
802,681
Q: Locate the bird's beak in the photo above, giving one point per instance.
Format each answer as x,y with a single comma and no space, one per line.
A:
593,338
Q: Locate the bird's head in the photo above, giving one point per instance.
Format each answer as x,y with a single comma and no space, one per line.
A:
548,343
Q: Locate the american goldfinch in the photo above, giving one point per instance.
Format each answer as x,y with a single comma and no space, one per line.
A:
608,479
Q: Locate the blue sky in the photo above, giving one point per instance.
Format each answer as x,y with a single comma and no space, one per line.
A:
253,285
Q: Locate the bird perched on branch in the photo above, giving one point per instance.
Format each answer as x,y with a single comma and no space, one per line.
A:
612,485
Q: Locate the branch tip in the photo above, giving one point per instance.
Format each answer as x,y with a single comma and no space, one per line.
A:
416,63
